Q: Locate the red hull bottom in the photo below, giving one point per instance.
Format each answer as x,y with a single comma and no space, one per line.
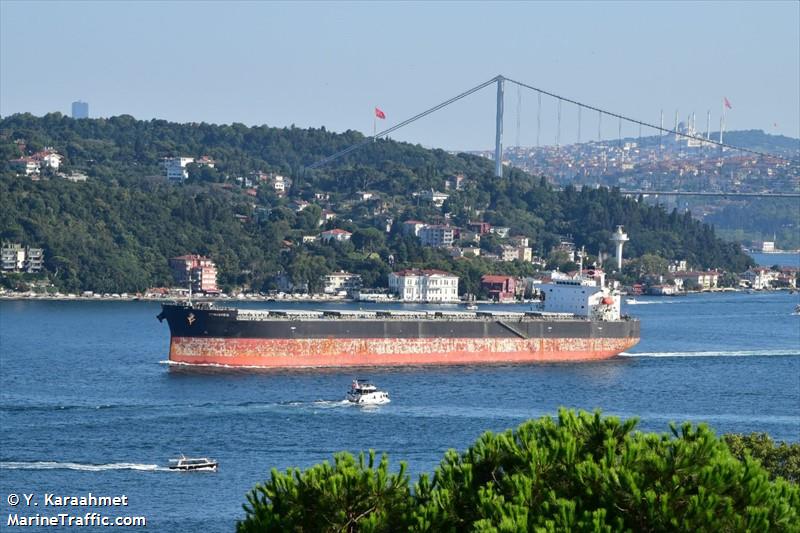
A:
300,353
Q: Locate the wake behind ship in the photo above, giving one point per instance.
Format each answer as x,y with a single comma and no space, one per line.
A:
582,322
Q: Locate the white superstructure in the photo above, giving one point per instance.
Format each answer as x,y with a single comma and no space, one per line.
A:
581,295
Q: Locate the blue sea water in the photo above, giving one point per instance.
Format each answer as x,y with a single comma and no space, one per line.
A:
87,405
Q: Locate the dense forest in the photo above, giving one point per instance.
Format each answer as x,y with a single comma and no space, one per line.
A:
116,231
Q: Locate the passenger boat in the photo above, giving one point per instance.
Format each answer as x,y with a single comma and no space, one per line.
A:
365,393
193,463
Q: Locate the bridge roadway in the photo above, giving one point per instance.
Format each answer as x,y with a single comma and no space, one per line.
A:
727,194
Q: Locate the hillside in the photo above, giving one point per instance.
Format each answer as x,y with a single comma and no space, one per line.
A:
116,231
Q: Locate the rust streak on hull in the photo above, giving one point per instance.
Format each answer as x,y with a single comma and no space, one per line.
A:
298,353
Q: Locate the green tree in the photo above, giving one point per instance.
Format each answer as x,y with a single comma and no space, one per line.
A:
579,472
779,459
347,496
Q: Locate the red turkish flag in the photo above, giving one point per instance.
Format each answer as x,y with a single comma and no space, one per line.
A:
727,103
380,114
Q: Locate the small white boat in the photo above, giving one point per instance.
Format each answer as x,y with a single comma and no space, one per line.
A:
363,392
192,463
472,307
631,301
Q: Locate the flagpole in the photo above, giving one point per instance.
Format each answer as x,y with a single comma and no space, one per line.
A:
374,124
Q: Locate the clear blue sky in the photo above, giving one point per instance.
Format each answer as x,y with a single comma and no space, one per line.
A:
330,63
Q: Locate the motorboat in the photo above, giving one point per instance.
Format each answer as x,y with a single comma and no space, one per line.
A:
631,301
363,392
192,463
472,307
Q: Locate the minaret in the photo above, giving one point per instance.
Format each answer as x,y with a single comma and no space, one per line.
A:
619,238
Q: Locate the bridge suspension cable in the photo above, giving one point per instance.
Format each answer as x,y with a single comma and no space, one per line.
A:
649,125
500,79
406,122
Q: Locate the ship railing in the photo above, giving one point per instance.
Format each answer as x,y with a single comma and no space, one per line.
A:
350,314
252,314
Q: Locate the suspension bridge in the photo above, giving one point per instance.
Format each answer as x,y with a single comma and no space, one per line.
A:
689,135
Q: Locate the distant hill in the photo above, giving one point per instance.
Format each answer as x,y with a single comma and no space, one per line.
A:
117,231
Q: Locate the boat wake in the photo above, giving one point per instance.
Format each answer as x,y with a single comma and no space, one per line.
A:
734,353
54,465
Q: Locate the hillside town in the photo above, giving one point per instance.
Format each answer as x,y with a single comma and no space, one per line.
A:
662,164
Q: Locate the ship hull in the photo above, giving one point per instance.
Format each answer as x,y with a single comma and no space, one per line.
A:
218,338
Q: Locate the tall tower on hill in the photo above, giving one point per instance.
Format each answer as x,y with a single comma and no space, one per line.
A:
619,238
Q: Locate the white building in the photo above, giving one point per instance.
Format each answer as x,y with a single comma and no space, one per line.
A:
175,168
414,285
337,234
25,165
413,227
338,282
760,277
436,235
48,158
279,184
437,198
16,258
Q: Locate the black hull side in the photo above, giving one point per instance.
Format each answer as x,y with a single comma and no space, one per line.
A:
190,322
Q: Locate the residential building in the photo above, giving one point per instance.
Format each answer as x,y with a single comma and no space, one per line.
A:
342,282
456,182
364,195
299,205
703,280
519,240
75,177
200,270
678,266
415,285
511,253
481,228
337,235
501,232
760,277
768,246
12,258
25,165
325,216
436,235
662,290
16,258
48,158
436,198
465,251
206,161
175,168
80,109
34,260
413,227
500,288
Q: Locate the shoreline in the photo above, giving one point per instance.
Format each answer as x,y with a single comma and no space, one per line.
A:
329,299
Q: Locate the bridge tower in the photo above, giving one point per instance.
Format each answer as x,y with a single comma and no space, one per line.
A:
498,139
619,238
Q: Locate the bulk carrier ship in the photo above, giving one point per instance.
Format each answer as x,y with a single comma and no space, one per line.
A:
580,321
